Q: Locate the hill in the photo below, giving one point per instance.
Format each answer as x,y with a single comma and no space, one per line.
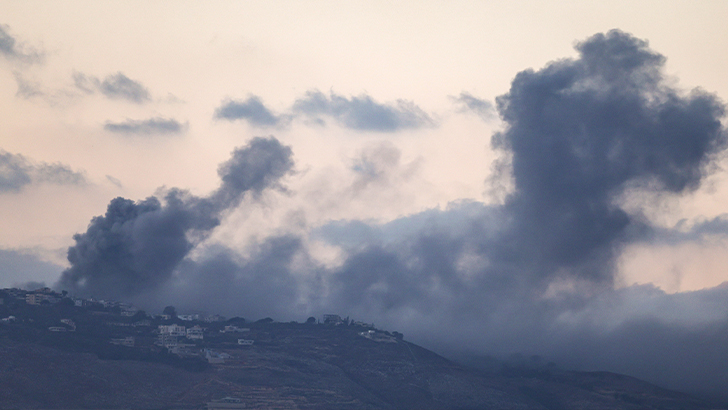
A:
103,360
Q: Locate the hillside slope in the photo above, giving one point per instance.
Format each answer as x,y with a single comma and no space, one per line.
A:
299,366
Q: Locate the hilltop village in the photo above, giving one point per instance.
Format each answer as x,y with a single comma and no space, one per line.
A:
118,330
60,352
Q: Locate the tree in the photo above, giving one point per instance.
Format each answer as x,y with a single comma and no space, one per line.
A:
66,302
170,310
139,315
311,320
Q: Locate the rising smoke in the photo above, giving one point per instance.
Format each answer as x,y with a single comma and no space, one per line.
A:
135,247
535,274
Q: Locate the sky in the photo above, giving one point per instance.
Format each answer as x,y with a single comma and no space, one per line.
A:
488,178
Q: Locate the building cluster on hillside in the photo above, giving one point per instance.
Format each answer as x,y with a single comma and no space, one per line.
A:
378,336
127,341
226,403
169,335
172,334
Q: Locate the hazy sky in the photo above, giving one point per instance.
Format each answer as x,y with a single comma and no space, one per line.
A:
376,120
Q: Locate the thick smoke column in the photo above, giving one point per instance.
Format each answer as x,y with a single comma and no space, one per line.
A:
533,275
136,246
536,274
579,133
582,131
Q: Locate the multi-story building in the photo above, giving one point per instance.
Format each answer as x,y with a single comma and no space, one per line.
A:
172,330
195,333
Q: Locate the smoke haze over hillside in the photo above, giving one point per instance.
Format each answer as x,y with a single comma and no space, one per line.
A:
486,178
535,274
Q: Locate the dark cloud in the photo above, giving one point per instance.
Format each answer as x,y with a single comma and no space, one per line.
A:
468,103
150,126
135,247
362,113
14,50
251,110
116,86
16,172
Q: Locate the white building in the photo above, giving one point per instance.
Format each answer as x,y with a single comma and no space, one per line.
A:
127,341
226,403
172,330
195,333
167,340
234,329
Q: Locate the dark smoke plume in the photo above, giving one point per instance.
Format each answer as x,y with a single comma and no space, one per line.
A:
135,247
534,275
582,131
579,133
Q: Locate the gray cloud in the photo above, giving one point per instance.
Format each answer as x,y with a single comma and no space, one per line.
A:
26,88
251,110
114,181
85,83
116,86
136,246
362,113
16,172
685,231
150,126
14,50
468,103
122,87
375,164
